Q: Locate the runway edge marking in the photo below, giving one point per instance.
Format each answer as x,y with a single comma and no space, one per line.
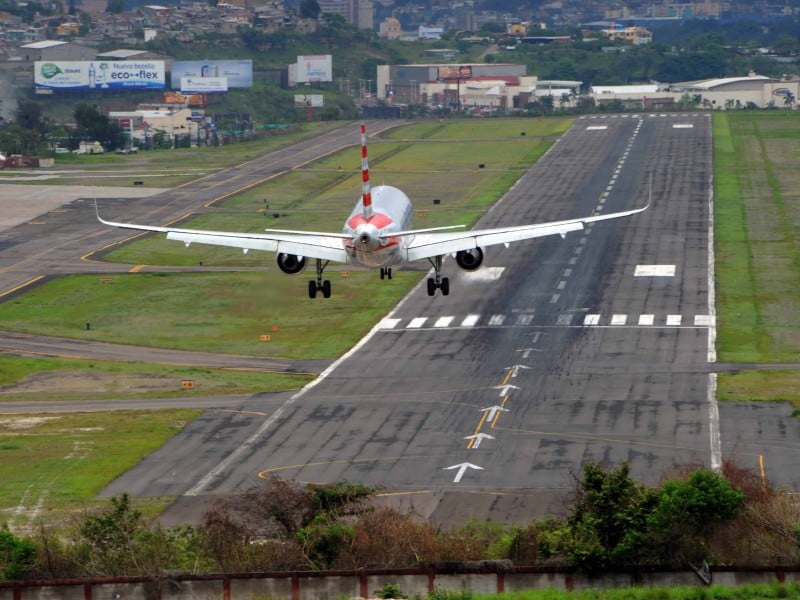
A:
715,438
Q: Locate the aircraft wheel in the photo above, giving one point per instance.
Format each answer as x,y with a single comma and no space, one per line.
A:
326,289
312,289
389,272
431,286
383,273
445,285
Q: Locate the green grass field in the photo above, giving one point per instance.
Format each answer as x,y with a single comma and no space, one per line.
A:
167,168
51,465
757,225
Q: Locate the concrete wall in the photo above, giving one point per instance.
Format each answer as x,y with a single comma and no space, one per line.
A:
355,584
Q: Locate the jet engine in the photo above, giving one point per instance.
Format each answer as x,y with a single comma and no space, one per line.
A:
469,260
291,264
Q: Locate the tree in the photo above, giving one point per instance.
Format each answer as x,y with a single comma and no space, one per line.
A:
309,9
94,125
608,524
309,518
29,115
686,511
115,6
17,555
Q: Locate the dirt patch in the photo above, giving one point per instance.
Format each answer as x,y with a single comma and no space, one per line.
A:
72,382
17,423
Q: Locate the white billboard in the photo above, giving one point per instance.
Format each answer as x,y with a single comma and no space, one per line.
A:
99,75
204,85
309,100
314,67
239,73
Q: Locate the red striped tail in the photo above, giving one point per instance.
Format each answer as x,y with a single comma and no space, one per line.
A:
366,196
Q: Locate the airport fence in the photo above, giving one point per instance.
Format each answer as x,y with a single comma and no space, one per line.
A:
335,585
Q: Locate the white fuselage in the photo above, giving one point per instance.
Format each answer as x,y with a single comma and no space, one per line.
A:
370,241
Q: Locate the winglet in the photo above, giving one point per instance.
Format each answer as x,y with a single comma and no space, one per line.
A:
97,209
366,196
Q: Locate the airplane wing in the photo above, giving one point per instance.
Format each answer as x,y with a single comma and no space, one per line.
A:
438,244
325,246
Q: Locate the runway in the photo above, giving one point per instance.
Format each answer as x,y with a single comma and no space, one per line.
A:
486,403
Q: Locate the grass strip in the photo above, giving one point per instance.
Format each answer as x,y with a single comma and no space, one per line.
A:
50,465
29,379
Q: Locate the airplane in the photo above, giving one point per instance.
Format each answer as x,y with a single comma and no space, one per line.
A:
376,235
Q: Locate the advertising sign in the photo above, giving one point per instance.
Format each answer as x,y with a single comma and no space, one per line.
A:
239,73
204,85
99,75
189,100
309,100
455,72
314,67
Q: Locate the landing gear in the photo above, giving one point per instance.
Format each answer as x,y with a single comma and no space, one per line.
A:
319,285
437,281
386,272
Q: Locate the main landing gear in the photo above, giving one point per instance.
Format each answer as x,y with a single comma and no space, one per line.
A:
319,285
386,272
437,281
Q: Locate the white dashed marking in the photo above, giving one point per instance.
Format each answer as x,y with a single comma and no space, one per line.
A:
654,271
389,323
443,321
470,320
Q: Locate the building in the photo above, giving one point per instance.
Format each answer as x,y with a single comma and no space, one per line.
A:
631,35
53,50
358,12
390,29
740,92
492,86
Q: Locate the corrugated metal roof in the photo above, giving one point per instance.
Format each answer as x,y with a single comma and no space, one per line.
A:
712,83
44,44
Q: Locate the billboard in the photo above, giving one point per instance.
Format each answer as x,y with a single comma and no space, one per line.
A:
238,72
455,72
204,85
314,67
188,100
99,75
309,100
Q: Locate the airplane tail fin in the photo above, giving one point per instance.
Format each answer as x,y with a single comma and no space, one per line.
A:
366,196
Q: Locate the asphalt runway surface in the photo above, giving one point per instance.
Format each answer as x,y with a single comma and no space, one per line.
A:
486,403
